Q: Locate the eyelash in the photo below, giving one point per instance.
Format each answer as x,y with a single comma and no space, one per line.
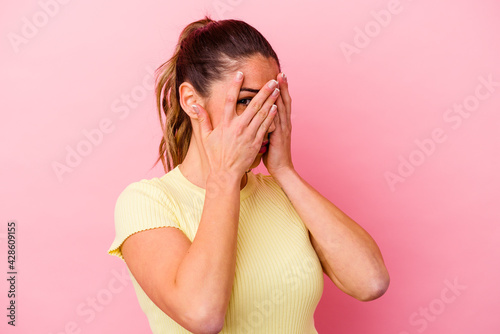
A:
245,104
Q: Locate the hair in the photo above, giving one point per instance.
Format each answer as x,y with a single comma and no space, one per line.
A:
205,52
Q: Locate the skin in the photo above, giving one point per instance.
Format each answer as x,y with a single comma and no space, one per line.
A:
348,254
192,281
257,72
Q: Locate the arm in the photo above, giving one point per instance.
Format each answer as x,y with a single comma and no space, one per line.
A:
192,282
348,254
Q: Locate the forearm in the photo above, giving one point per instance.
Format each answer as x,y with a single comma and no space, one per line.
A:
207,270
350,256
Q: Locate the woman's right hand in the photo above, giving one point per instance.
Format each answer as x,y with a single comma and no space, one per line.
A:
233,145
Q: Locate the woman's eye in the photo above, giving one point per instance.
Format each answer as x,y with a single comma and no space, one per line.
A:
244,102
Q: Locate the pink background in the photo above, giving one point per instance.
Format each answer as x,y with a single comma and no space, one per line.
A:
384,105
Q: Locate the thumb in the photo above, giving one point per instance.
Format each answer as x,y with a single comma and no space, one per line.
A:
203,119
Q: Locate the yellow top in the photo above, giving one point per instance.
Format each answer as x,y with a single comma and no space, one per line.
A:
278,280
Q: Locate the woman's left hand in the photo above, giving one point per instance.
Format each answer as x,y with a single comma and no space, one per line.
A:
278,158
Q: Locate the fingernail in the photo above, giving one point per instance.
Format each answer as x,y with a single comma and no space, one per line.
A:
195,108
283,76
239,76
276,92
273,108
272,84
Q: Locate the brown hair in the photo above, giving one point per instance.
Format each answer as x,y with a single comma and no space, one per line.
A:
206,50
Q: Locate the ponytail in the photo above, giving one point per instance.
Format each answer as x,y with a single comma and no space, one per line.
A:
205,52
176,127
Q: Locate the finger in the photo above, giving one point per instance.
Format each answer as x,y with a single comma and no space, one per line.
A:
276,120
232,97
282,116
283,82
261,116
203,119
285,93
262,101
264,127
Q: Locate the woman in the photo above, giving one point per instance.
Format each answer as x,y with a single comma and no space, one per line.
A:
247,252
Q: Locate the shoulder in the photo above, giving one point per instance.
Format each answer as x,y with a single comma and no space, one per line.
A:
145,187
142,205
157,190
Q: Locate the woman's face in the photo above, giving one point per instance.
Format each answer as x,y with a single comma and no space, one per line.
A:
257,71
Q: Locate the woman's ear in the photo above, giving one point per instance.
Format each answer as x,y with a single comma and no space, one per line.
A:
188,97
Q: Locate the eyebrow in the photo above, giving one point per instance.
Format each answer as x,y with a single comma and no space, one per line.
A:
249,90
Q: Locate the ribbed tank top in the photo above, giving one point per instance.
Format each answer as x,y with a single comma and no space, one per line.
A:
278,279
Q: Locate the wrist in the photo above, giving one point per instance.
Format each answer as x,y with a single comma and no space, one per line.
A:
224,179
283,174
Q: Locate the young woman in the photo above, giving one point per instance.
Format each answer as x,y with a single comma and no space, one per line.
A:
212,247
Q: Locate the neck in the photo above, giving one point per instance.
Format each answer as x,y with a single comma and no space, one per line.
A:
196,170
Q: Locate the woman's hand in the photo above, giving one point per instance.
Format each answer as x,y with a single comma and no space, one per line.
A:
233,145
278,158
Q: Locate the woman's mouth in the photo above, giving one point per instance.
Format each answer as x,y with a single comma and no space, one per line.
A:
263,148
